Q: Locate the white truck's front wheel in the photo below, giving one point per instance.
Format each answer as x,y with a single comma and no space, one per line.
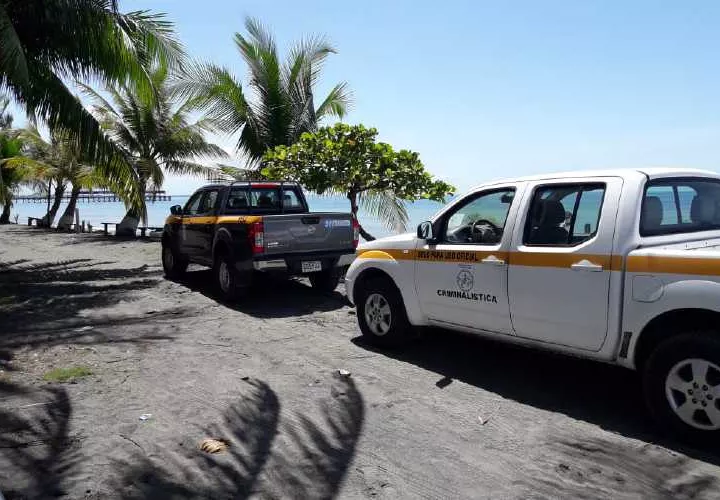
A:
682,385
381,312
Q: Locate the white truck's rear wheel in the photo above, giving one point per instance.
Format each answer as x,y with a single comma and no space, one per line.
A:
381,313
682,385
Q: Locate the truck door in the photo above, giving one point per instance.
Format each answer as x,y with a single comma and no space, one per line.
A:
462,278
188,238
206,219
561,264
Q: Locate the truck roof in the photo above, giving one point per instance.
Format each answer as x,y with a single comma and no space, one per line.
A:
250,183
651,172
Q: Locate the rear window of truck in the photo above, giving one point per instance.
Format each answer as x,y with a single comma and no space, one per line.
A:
244,199
672,206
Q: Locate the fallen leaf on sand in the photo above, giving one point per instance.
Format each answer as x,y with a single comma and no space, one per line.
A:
212,445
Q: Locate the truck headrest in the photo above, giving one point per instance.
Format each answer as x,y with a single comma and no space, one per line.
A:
702,210
652,212
552,213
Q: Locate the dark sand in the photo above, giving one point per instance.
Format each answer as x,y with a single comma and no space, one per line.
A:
262,375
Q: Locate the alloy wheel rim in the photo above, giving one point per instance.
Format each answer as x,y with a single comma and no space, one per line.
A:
224,275
378,314
692,388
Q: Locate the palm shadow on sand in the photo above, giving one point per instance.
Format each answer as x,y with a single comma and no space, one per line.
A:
36,450
308,461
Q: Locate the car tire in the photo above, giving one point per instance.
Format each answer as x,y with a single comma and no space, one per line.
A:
173,262
226,277
681,381
381,313
325,281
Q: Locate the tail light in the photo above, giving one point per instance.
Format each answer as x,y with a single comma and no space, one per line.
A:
256,235
356,233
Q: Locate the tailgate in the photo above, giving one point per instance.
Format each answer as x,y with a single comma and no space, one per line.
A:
311,232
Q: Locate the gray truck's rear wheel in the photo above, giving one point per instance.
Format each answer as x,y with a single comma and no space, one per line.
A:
682,385
226,277
381,313
325,281
173,263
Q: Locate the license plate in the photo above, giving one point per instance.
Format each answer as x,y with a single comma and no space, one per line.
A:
311,266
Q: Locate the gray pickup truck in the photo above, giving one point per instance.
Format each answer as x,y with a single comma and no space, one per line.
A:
243,229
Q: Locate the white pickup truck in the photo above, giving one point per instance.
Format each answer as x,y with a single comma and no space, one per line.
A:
616,266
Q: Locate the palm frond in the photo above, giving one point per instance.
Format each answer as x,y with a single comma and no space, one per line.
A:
337,103
184,167
100,102
387,208
12,56
228,172
89,40
215,90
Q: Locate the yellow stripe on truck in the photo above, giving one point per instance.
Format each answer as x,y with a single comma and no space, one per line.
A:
673,265
224,219
387,254
547,259
531,259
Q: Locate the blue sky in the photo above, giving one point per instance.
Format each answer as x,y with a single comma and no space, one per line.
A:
488,89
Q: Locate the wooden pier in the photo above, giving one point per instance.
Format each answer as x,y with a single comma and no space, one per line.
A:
92,197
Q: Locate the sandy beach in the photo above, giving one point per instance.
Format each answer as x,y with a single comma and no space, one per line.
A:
449,417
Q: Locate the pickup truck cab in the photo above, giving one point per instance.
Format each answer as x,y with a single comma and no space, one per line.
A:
616,266
243,229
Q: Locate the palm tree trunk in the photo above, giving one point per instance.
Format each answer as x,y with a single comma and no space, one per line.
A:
352,196
5,216
50,216
128,226
69,215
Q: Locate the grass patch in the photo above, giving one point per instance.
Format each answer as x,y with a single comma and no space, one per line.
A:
67,374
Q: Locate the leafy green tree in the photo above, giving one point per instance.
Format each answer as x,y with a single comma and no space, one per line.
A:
44,43
10,147
346,160
282,106
156,136
10,178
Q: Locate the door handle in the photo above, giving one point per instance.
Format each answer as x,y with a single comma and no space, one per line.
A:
586,265
492,260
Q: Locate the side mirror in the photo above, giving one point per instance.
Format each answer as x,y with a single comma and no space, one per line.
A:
425,231
176,210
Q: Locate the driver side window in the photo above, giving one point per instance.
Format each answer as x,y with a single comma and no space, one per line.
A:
480,220
193,204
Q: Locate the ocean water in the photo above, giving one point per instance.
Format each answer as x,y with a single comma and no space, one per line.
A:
96,212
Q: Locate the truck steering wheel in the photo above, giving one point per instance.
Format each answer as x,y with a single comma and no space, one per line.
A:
477,233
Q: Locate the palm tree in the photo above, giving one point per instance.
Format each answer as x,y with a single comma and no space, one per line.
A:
155,137
61,164
46,42
282,107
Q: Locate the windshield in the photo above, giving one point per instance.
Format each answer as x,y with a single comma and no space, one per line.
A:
680,206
